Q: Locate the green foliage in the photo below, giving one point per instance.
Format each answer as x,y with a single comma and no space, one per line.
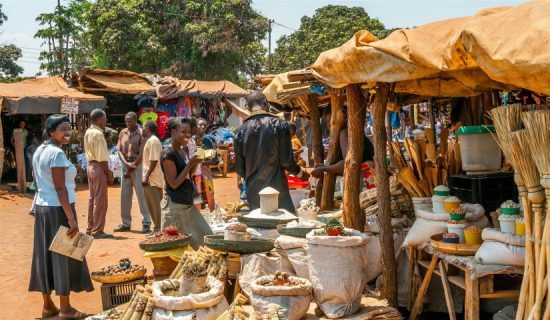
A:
330,27
63,34
9,70
208,40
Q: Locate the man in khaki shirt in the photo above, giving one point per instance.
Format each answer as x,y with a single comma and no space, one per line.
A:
130,146
153,179
99,175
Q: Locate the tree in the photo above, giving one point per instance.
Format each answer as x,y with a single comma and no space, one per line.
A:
188,39
64,36
8,56
330,27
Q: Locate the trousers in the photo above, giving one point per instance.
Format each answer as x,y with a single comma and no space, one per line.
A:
98,200
127,187
153,196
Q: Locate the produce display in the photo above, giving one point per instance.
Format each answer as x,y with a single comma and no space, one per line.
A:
510,207
123,271
237,312
450,203
169,239
215,262
457,213
308,209
450,238
401,201
236,231
472,229
281,279
193,279
451,221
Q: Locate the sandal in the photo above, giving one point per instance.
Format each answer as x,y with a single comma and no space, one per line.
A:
77,316
50,314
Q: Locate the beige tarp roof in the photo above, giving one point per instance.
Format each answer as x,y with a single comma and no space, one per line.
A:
170,87
498,48
43,96
270,91
116,81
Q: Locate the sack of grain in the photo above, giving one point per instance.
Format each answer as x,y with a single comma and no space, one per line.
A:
257,265
337,268
501,248
293,250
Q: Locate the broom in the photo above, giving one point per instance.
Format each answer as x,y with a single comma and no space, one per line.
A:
506,120
537,125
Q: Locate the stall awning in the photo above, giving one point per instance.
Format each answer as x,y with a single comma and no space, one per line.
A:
499,48
115,81
170,87
43,96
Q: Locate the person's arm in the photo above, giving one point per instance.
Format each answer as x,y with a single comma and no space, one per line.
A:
286,155
338,167
142,142
120,154
58,176
239,157
152,166
103,156
173,179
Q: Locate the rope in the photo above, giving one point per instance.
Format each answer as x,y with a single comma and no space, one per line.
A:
537,241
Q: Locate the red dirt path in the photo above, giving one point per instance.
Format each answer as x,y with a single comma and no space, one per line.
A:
16,241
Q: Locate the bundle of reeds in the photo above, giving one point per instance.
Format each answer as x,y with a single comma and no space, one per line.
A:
514,142
537,125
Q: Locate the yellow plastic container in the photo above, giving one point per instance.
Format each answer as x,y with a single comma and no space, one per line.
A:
520,228
472,237
449,206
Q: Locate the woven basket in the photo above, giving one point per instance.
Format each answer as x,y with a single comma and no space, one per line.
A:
299,232
264,223
457,249
118,278
165,245
255,245
193,285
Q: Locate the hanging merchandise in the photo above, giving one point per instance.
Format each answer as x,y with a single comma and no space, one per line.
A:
181,108
162,123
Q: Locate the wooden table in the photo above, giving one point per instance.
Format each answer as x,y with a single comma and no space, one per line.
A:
232,287
451,273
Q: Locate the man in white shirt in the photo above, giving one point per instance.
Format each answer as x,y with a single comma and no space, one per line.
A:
153,180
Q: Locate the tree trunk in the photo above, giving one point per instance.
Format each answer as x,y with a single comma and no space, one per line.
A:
389,288
2,150
317,144
354,217
336,125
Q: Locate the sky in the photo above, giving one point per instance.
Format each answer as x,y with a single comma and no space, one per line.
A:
20,27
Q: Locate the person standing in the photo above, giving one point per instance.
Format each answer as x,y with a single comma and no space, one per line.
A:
263,152
203,175
99,175
153,181
177,205
130,147
55,207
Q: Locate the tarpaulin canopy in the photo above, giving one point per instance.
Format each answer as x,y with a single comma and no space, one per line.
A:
43,96
499,48
116,81
170,87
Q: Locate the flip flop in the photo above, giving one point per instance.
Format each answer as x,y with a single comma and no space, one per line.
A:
50,313
77,316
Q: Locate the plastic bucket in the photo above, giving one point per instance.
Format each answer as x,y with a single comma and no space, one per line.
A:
510,211
449,206
458,229
479,152
438,205
424,203
507,223
472,237
520,227
298,195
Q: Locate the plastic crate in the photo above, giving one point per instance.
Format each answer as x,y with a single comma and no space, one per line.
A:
115,294
489,190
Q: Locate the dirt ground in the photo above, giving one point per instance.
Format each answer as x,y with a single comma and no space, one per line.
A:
16,242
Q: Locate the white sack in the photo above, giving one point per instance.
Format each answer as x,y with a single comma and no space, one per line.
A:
337,267
293,301
198,314
375,253
372,225
428,223
257,265
293,250
501,248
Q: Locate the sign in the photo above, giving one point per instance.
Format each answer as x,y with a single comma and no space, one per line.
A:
69,105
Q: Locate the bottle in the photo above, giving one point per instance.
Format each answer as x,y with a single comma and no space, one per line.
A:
207,215
218,215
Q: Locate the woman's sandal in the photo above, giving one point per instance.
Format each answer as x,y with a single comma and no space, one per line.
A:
77,316
50,314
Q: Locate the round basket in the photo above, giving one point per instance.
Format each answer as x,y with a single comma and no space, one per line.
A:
264,223
254,245
165,245
118,278
299,232
457,249
193,285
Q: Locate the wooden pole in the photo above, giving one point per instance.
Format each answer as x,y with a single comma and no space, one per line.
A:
2,150
336,125
354,217
317,144
20,161
389,270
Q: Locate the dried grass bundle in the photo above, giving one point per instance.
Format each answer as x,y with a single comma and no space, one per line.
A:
517,148
537,124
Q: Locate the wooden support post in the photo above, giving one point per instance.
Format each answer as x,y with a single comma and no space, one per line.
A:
431,115
318,151
336,125
2,150
419,301
447,291
354,216
471,299
389,289
20,161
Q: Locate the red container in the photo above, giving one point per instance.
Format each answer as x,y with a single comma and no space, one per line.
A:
279,282
296,183
334,233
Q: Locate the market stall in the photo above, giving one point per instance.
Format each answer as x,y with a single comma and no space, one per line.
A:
33,100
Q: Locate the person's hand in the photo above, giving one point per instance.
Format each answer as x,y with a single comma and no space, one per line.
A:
240,183
305,175
73,228
195,160
318,172
145,181
131,166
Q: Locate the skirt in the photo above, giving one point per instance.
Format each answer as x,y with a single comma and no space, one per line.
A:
187,219
52,271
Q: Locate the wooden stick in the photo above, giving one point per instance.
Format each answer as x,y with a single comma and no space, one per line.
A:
417,308
541,271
